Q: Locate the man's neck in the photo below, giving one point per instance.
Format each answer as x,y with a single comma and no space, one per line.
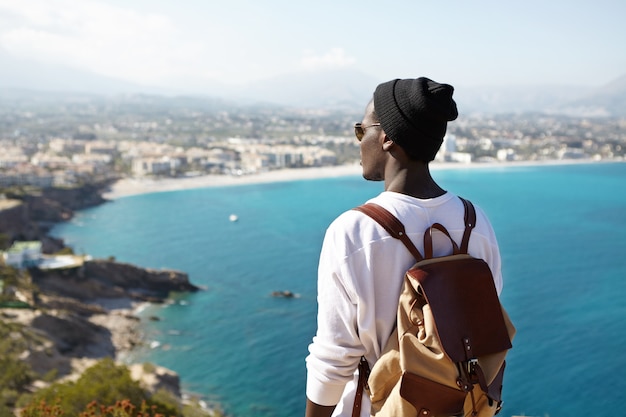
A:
414,180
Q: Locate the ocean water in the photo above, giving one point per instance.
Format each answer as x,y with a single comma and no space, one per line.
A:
562,232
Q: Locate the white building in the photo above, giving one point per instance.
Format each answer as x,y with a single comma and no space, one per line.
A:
460,157
26,174
155,166
23,254
448,152
449,143
507,154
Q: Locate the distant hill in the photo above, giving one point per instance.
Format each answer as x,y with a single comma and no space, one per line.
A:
609,100
337,89
516,99
349,89
29,75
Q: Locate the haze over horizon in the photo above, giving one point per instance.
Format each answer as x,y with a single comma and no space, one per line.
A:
200,45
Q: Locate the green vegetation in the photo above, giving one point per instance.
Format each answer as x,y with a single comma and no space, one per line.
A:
5,241
19,192
16,375
105,389
106,383
124,408
12,279
10,276
65,251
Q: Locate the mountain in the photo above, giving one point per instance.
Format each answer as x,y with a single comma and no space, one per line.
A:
349,89
516,99
337,89
22,74
324,89
331,89
608,100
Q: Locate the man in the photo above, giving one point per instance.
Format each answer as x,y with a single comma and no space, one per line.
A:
361,266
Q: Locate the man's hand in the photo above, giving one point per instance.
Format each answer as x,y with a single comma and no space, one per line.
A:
316,410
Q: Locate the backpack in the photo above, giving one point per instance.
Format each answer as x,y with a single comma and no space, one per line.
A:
446,354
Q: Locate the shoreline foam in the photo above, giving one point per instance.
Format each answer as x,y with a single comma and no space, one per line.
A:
127,187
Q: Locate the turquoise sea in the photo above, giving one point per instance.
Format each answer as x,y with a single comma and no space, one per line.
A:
562,232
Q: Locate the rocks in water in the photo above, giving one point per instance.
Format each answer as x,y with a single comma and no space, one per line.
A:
284,294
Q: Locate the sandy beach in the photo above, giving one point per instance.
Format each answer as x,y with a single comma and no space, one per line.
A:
134,186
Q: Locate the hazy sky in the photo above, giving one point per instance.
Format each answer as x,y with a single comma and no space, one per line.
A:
235,41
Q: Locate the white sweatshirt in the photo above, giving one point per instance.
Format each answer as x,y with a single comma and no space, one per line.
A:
360,276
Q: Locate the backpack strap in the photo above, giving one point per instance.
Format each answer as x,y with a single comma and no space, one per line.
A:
364,372
395,228
470,223
391,224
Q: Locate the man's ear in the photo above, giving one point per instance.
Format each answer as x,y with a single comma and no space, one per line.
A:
388,144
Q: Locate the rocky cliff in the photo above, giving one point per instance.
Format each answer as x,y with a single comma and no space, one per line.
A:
73,306
40,209
15,219
85,313
99,279
66,341
138,280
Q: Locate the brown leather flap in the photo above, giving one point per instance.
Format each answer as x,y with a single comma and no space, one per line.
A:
431,398
495,388
464,304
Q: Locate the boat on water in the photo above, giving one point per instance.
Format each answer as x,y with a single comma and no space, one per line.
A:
233,217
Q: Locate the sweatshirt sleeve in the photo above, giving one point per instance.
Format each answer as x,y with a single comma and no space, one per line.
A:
336,349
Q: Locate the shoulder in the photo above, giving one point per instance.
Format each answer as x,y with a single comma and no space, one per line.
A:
352,231
348,225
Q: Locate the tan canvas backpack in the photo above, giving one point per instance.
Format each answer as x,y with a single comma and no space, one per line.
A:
446,355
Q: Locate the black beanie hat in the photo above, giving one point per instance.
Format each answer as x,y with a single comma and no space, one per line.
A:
414,113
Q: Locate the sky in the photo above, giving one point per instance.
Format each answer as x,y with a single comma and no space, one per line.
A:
185,42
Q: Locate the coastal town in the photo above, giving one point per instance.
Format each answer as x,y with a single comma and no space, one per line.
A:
88,141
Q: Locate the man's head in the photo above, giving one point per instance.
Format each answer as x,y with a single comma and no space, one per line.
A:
414,113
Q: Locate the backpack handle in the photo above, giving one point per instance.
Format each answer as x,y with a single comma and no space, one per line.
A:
428,240
470,224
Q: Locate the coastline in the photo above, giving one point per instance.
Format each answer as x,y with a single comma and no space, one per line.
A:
127,187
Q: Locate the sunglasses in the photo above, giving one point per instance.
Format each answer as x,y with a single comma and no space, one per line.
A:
359,129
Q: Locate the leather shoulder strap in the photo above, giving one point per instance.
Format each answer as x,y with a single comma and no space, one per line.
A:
391,224
470,223
395,228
